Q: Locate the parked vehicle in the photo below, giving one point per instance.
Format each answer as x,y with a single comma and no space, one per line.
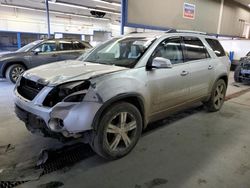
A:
121,86
239,47
242,71
40,52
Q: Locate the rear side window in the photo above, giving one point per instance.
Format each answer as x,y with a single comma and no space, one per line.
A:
65,45
216,46
194,49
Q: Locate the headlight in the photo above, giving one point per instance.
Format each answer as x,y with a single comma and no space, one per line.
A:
69,92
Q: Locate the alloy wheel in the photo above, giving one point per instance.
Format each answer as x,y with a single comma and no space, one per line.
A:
121,131
219,96
16,72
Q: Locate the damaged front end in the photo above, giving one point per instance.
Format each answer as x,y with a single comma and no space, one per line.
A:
245,70
66,110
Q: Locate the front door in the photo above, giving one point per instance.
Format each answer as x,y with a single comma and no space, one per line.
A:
44,53
169,86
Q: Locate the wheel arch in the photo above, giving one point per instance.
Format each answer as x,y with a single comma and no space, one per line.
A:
223,77
133,98
7,65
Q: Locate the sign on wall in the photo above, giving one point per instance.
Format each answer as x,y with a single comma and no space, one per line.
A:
189,11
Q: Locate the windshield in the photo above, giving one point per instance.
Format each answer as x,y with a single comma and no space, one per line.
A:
124,52
27,47
84,55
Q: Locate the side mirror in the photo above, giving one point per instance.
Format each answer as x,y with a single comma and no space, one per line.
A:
161,63
36,51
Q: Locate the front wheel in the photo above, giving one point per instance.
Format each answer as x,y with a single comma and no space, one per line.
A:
217,97
13,72
118,132
237,74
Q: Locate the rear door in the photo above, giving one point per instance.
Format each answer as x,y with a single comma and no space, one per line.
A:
70,49
201,66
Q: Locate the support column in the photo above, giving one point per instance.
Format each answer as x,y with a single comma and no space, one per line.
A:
48,19
19,42
123,15
220,17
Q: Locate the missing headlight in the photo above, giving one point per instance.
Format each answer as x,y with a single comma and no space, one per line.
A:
69,92
75,97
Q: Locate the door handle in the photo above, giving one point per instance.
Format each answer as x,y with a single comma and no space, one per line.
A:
184,73
210,67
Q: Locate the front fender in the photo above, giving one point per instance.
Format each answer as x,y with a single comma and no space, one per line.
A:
126,84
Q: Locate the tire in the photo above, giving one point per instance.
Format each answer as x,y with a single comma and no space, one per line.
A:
13,72
217,98
237,74
119,130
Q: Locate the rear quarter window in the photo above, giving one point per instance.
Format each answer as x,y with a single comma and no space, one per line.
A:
216,47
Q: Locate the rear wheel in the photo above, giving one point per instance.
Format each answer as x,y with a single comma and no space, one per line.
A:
118,132
217,97
237,74
13,72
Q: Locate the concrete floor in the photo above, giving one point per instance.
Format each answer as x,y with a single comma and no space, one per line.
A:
198,149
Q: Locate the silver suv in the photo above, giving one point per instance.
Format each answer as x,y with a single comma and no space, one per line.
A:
107,97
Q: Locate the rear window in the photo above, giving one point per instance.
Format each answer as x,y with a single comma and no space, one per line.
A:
216,46
194,49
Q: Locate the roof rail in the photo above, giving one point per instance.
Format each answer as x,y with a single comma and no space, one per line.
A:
171,31
134,32
190,31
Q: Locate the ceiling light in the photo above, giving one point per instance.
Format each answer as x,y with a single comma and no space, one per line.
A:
249,5
110,3
82,7
51,11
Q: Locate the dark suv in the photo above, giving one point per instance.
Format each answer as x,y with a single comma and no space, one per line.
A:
242,71
40,52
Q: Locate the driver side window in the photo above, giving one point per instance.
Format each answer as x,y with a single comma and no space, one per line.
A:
169,49
46,47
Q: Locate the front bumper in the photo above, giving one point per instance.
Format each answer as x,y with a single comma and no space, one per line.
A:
245,78
245,75
35,124
74,118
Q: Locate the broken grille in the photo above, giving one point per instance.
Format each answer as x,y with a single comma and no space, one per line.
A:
29,89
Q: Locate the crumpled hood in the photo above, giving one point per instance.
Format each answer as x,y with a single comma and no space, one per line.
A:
70,70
